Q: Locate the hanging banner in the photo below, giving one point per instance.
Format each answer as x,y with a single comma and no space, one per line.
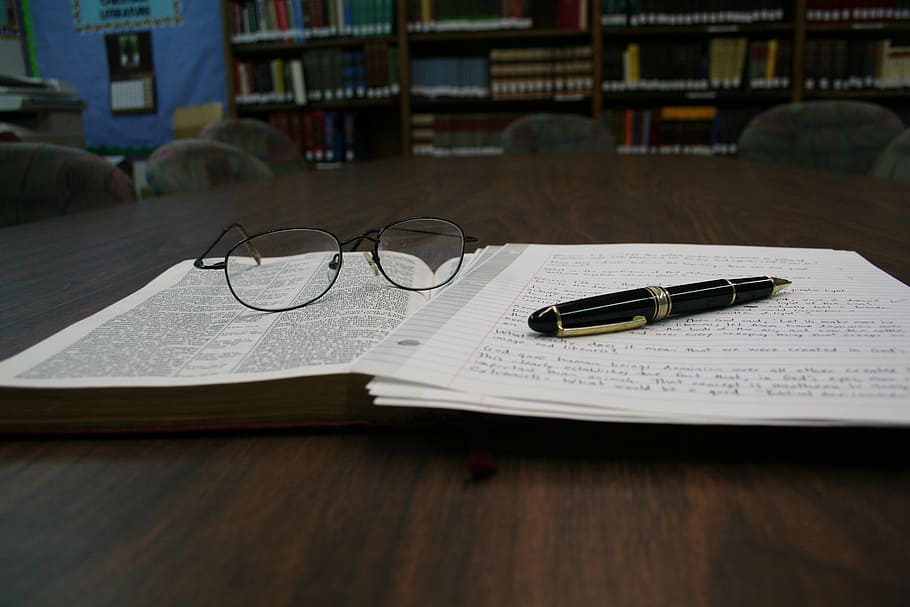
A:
92,16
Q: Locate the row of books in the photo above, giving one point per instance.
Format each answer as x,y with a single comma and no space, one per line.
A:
840,64
678,129
541,72
718,63
857,11
321,75
450,77
659,130
478,15
322,136
269,81
326,18
544,72
458,134
264,20
267,20
770,64
636,13
508,73
335,74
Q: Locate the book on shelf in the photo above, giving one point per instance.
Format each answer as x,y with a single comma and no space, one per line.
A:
298,81
727,58
181,353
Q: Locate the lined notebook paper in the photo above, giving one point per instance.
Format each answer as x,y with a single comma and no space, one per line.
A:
831,348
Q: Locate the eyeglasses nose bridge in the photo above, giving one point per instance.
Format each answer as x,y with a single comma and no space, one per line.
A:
357,240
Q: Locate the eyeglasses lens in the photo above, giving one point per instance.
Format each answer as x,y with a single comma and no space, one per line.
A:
439,244
295,267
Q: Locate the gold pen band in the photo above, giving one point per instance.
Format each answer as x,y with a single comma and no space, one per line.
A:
663,305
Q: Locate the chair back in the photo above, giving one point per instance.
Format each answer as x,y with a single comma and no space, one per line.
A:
41,180
843,136
195,165
557,133
894,162
260,139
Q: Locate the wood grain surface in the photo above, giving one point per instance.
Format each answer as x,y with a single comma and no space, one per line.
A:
575,513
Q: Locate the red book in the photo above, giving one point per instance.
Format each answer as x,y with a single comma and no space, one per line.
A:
318,135
295,130
317,14
237,14
281,14
517,9
628,127
309,137
567,14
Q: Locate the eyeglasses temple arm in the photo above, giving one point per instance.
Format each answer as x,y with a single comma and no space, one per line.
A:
429,232
199,263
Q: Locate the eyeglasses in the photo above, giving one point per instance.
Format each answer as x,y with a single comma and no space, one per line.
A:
288,268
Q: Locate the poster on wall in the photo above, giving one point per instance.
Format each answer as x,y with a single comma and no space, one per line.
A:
132,72
93,16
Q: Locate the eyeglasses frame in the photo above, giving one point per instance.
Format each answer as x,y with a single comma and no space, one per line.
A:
365,237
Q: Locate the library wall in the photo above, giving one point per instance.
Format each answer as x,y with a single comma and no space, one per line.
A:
188,60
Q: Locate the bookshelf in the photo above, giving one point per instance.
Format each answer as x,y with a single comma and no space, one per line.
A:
441,77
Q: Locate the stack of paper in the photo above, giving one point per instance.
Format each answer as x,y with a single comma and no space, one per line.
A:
830,349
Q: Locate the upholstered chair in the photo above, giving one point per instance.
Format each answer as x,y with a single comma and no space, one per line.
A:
894,161
260,139
194,165
843,136
42,180
557,133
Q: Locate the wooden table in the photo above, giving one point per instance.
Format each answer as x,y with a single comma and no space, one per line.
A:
589,514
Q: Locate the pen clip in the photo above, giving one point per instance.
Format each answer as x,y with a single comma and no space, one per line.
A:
636,323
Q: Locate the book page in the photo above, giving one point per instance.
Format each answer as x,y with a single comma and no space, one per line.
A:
186,328
833,346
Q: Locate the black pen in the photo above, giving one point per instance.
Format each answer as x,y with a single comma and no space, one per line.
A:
635,308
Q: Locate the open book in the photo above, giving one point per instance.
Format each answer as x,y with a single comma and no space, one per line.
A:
183,353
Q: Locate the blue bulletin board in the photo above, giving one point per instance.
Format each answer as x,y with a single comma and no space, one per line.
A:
188,58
